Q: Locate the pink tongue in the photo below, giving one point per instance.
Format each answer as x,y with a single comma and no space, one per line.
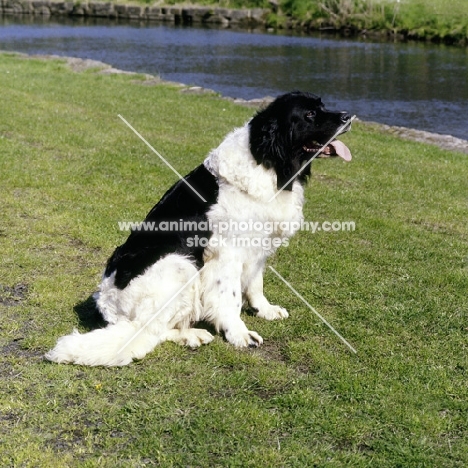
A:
341,150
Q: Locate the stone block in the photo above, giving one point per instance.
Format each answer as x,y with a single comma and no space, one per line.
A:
61,8
41,7
216,19
196,14
134,12
258,14
121,11
101,10
237,16
15,7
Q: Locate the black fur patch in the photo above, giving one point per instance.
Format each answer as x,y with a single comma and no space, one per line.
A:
144,248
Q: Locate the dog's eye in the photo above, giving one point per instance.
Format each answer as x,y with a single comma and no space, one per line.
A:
311,114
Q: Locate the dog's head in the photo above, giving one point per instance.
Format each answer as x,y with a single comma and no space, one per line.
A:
286,135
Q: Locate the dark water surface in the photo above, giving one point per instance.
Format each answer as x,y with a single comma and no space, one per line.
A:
411,85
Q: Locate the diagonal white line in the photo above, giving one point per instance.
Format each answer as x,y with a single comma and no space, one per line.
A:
160,157
160,310
340,130
312,309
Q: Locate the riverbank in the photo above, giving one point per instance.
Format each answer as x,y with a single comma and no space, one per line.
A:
447,142
382,20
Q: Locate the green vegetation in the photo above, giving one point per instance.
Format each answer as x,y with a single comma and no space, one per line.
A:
436,20
396,289
433,19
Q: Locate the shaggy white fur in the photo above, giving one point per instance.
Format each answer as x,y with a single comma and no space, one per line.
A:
157,306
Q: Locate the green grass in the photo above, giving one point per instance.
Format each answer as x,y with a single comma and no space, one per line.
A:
396,288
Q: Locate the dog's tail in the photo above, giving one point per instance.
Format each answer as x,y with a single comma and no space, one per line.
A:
115,345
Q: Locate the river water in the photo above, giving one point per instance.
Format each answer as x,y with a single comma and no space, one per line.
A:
412,85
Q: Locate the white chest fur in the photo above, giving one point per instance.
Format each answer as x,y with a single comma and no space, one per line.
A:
249,205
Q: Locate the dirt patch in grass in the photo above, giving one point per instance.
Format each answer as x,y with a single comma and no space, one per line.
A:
13,295
272,351
14,348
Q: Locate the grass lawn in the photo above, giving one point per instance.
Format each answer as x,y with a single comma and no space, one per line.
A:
395,288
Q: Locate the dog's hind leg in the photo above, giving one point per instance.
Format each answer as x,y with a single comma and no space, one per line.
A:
191,337
164,298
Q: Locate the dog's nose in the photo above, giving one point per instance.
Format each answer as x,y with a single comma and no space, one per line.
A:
345,117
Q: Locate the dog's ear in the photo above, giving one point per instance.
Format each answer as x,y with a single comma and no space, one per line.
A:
271,146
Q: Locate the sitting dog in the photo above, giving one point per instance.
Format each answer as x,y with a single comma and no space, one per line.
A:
231,213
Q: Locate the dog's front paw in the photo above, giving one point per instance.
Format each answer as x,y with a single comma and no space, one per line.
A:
244,338
272,312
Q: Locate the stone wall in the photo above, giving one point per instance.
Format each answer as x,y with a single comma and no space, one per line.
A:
178,15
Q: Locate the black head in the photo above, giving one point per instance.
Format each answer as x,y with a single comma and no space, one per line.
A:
286,134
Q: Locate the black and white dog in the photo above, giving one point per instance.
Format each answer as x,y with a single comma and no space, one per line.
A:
231,213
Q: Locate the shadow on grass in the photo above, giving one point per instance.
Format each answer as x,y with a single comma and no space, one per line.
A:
206,326
89,315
